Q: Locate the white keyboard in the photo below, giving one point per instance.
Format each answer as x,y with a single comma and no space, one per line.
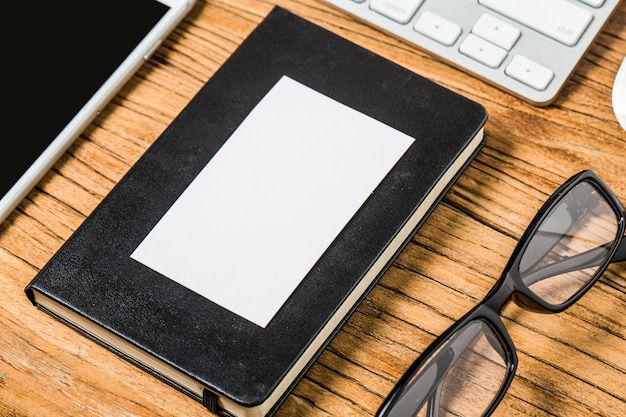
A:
526,47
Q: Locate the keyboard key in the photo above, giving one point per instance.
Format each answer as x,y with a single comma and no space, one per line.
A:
437,28
399,10
558,19
496,31
483,51
593,3
529,72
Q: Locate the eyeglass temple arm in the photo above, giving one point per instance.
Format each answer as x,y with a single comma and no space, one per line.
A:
620,254
590,258
433,375
434,403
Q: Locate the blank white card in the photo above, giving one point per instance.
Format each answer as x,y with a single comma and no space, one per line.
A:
264,209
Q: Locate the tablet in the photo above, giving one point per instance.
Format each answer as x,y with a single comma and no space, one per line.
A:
65,62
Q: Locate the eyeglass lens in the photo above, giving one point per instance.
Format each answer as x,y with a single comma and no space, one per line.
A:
462,377
569,246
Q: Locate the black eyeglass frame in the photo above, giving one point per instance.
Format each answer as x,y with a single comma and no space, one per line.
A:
510,287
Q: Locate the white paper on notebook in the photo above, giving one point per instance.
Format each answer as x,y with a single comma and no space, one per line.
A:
264,209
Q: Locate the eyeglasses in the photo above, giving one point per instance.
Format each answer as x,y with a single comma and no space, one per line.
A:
569,244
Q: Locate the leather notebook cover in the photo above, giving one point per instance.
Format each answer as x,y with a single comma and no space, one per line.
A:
117,278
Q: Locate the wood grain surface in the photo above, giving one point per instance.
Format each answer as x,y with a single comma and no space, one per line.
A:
570,364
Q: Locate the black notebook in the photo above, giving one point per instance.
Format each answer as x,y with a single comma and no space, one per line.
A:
239,243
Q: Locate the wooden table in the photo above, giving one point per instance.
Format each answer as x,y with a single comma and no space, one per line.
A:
571,364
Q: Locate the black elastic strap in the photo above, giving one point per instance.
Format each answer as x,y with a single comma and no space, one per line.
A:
209,400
